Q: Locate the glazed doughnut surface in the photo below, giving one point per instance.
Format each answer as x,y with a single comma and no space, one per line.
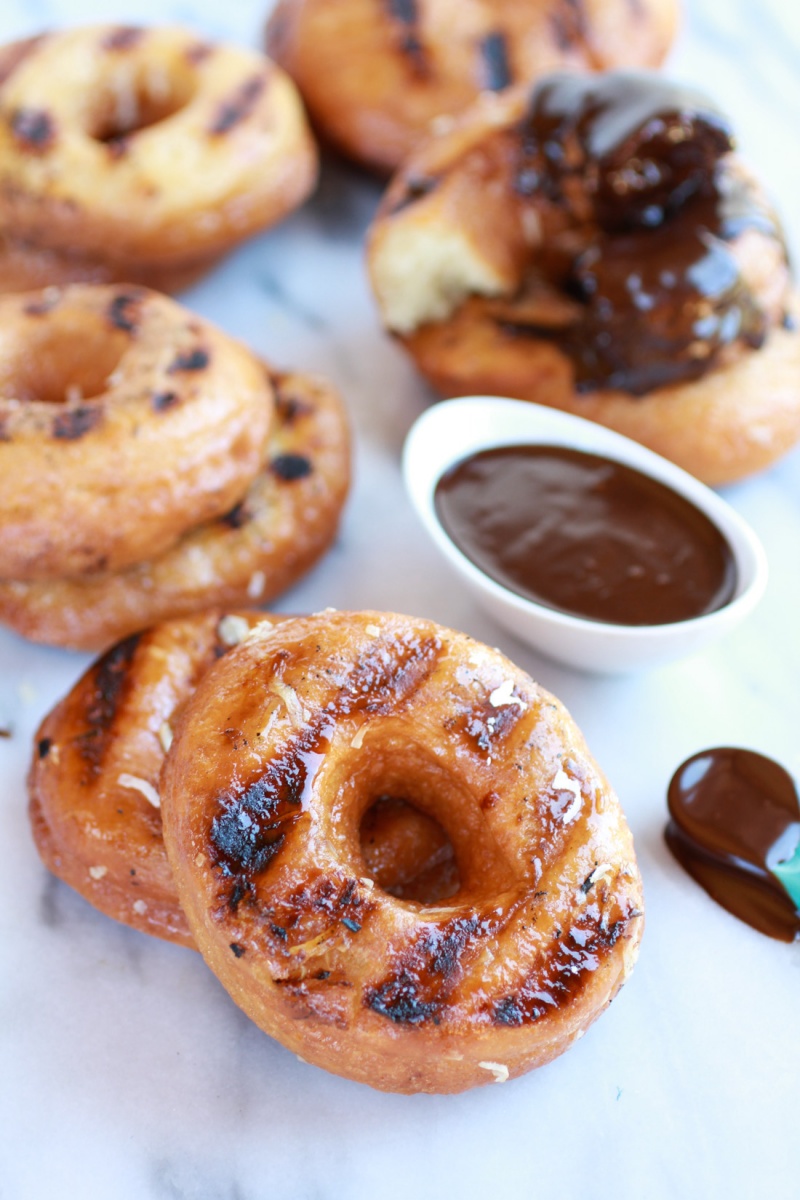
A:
125,419
409,62
595,245
141,154
278,754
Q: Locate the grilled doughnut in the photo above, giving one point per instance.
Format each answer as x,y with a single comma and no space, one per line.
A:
141,155
376,74
285,521
594,245
284,745
94,781
124,420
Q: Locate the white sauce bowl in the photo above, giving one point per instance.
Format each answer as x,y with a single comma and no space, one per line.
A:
456,429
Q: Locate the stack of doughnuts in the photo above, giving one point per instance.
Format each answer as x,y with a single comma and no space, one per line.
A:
141,155
255,746
594,244
150,466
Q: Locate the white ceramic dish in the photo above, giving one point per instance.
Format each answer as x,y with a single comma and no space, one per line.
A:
450,431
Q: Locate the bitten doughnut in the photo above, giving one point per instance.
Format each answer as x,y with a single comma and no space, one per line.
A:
284,522
596,246
282,748
125,419
377,74
94,781
141,155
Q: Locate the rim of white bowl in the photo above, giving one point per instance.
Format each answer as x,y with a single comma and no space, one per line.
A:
523,422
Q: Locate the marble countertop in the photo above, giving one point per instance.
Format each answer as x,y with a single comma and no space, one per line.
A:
126,1071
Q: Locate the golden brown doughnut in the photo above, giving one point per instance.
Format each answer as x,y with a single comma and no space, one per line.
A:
284,745
376,74
284,522
94,781
141,155
125,419
595,246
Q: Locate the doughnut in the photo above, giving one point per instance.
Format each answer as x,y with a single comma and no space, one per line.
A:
124,420
410,64
261,546
94,779
595,245
141,155
284,745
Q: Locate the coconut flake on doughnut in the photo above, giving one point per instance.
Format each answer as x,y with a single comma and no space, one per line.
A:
261,823
616,261
284,522
125,420
141,155
410,64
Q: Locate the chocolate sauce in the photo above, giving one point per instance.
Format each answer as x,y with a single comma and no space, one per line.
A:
585,535
636,163
735,816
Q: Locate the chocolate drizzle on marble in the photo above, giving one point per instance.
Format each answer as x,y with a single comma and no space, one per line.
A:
735,815
638,165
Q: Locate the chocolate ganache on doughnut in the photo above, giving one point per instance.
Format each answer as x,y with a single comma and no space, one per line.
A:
596,245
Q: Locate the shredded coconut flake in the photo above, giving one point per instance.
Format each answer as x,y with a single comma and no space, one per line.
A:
368,883
298,715
372,630
563,783
499,1070
165,736
359,738
140,785
200,860
139,907
256,585
504,694
313,945
233,629
98,872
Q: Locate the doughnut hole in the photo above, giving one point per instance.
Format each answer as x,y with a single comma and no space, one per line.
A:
392,777
128,103
59,365
408,853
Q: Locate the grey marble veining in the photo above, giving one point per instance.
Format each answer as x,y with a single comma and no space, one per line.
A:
126,1071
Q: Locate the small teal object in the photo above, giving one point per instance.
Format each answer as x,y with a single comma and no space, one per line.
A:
787,874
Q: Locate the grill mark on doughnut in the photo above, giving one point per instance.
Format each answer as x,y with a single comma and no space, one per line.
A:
123,312
238,516
190,360
568,23
289,409
290,467
110,680
250,826
239,107
34,129
576,956
420,987
124,37
483,725
496,65
164,401
407,14
71,425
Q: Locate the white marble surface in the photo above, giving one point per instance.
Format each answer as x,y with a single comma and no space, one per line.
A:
125,1070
